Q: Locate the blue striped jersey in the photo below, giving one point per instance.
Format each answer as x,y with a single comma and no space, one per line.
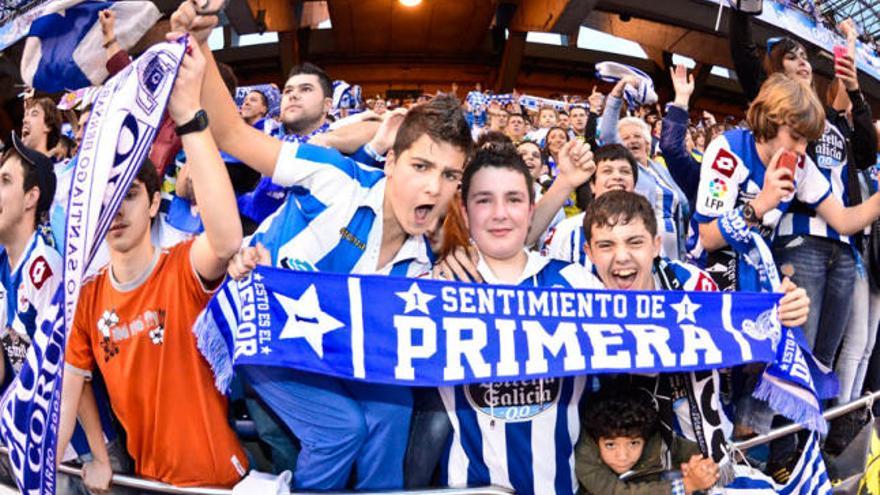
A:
518,435
268,196
732,174
565,242
831,159
671,274
26,289
332,218
670,206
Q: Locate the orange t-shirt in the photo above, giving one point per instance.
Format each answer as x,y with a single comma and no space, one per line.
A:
161,388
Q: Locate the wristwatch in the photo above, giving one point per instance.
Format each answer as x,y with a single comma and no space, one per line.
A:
749,214
197,124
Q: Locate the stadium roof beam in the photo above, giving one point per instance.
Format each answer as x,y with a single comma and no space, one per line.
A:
557,16
241,18
865,13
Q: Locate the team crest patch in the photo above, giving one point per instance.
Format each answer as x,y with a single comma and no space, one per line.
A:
705,283
514,401
725,163
39,272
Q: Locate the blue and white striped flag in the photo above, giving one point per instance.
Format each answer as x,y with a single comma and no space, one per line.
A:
124,120
64,49
642,95
808,477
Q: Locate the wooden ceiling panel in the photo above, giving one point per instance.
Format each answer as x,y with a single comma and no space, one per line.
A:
387,27
460,26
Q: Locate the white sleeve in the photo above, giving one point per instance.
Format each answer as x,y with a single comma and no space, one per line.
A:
324,172
41,276
559,243
812,185
719,184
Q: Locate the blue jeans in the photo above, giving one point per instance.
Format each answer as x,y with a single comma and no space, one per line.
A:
340,424
428,437
826,269
858,342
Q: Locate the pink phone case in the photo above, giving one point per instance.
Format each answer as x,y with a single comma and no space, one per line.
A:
840,51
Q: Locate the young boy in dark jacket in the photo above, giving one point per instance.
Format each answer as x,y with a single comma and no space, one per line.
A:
620,452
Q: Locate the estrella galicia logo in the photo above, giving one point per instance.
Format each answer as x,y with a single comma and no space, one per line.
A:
153,71
514,401
296,264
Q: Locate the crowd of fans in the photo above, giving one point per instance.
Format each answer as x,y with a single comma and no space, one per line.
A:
586,195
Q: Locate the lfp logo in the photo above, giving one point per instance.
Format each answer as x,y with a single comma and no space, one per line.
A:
717,188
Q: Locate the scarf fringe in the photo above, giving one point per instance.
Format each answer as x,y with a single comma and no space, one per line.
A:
726,472
790,405
213,348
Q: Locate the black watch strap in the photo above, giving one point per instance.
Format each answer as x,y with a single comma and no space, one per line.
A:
197,124
749,214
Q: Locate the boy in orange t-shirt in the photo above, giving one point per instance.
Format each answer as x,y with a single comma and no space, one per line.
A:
134,321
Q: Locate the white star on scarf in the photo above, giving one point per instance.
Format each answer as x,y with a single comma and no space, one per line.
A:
305,319
685,309
416,300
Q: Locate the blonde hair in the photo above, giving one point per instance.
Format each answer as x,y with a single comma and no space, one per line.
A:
785,101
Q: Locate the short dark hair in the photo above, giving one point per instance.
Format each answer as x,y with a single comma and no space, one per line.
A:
618,207
497,155
310,68
578,107
615,151
51,117
490,137
621,414
441,119
262,97
228,76
150,177
30,179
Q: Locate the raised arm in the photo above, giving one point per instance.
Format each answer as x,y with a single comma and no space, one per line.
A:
682,166
576,166
745,54
213,249
232,133
611,115
864,137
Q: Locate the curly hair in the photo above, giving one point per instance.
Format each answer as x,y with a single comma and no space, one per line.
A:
621,414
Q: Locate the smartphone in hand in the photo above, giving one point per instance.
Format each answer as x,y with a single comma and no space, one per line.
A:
789,160
840,52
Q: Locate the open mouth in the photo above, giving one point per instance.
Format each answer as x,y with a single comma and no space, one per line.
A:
423,212
623,278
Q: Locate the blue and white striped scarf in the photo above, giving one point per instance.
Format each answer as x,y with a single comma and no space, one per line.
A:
124,120
809,477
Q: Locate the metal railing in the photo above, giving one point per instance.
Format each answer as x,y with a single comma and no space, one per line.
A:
159,487
866,401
